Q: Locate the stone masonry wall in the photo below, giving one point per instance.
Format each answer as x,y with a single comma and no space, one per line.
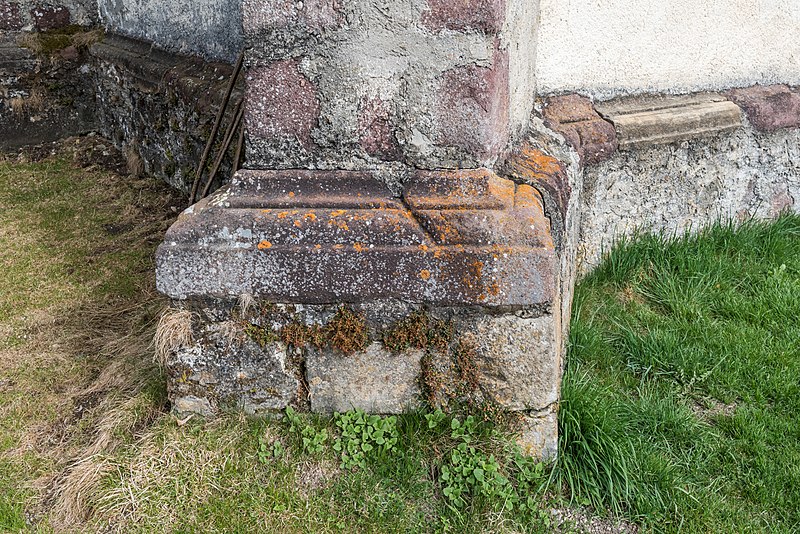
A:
40,15
674,164
429,84
160,107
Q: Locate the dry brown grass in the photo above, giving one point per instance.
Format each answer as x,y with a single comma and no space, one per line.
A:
134,160
79,382
87,39
31,104
30,41
173,332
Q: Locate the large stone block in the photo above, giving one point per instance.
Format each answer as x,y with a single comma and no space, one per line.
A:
224,368
517,359
374,380
769,108
338,236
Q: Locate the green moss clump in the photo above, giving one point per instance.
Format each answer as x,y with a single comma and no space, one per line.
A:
347,332
261,335
419,331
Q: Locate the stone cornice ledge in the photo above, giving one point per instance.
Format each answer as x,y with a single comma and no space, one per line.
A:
597,130
459,238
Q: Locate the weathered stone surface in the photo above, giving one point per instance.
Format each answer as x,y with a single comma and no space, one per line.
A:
549,176
375,380
769,108
50,17
517,359
538,437
473,108
377,136
424,84
10,18
300,236
651,120
574,117
211,29
191,405
281,105
483,15
226,369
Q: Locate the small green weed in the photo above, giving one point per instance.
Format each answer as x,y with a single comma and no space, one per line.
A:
363,436
312,439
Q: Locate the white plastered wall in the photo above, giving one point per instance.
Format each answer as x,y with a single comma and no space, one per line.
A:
608,47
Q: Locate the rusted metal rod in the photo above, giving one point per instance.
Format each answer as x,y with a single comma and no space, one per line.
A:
232,127
220,113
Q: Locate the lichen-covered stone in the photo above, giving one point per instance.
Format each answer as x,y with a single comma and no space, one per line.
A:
538,436
374,380
226,369
322,237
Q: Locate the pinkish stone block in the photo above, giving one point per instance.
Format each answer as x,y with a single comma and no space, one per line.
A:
281,103
769,108
484,15
375,130
9,16
472,108
50,17
574,117
315,15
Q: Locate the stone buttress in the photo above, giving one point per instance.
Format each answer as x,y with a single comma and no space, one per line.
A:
398,235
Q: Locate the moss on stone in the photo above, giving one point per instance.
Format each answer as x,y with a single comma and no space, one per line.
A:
419,331
347,331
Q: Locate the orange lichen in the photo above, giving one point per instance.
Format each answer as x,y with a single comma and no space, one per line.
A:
425,274
310,216
291,194
532,163
337,213
359,247
264,245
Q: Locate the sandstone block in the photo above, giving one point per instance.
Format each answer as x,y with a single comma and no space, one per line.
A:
574,117
472,107
539,435
50,17
769,108
281,104
517,359
10,16
483,15
651,120
322,237
375,380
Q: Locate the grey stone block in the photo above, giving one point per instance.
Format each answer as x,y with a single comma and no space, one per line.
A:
375,380
518,359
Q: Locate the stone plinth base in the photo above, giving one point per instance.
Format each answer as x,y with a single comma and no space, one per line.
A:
322,290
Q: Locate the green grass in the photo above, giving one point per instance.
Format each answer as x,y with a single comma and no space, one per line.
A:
681,399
